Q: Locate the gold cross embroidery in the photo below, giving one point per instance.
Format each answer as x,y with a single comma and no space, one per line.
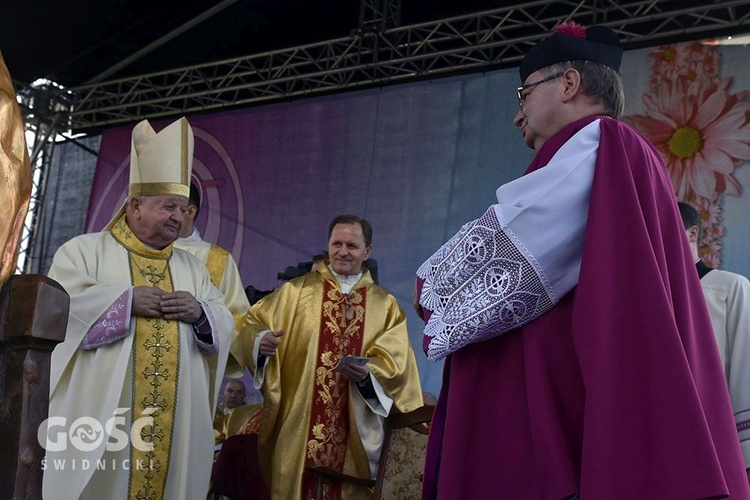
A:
157,344
157,372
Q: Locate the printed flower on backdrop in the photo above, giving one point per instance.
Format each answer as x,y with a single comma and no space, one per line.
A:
684,62
711,253
667,59
710,212
702,132
714,232
708,63
703,58
698,47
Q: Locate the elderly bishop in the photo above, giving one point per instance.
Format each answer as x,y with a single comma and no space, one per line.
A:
134,384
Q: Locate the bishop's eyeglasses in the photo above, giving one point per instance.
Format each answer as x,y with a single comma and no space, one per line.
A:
520,90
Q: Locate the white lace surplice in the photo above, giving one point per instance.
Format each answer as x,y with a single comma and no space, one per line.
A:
515,262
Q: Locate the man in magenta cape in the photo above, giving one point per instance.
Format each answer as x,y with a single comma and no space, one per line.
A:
599,376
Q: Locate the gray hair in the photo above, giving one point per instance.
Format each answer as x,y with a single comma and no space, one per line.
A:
598,81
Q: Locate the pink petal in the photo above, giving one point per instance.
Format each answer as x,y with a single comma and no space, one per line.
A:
710,110
704,183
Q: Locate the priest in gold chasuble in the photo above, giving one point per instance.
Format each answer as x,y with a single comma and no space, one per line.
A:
134,384
319,407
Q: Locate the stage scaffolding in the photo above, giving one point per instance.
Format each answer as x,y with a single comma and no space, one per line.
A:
378,52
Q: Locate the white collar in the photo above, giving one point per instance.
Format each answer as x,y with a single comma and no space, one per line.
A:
346,283
193,239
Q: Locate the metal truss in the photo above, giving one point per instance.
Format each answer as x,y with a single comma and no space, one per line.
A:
379,14
379,52
475,42
43,117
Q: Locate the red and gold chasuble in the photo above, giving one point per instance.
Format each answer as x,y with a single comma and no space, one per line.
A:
156,354
341,333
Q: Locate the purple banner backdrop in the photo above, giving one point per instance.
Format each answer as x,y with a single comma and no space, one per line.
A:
417,161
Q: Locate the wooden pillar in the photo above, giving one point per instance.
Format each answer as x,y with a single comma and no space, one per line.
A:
33,318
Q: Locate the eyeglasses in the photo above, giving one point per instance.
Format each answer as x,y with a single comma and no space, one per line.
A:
520,90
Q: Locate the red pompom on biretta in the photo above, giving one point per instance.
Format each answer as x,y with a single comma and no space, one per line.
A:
571,29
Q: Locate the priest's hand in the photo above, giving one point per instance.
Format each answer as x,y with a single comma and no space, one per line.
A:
270,342
355,372
147,301
181,306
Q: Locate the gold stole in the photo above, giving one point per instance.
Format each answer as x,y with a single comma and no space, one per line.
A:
216,263
341,333
156,354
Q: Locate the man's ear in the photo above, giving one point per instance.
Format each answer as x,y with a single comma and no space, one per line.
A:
134,206
572,80
693,234
191,211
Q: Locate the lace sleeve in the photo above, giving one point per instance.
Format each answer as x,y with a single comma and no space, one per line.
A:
515,262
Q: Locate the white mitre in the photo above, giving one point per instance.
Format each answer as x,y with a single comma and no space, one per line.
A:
160,163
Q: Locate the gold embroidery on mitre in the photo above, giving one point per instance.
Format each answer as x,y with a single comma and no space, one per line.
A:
158,188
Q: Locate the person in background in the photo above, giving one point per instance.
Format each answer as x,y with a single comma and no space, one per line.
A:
728,298
233,397
220,264
225,276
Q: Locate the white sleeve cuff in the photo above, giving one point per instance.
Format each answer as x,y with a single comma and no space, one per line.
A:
382,405
259,374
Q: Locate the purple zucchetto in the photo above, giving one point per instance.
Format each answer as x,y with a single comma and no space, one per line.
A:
573,42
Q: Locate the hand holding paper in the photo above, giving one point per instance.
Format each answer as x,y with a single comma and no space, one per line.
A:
357,360
353,367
